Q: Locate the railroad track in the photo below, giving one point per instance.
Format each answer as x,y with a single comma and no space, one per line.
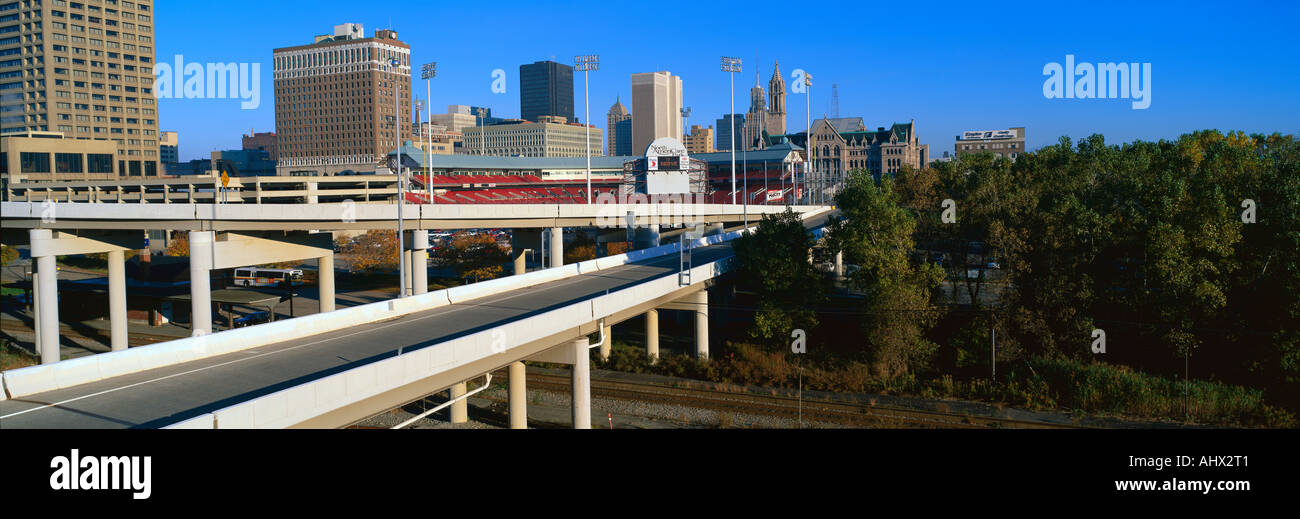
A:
844,413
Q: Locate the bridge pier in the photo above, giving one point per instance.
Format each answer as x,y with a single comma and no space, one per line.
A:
418,261
201,254
607,345
556,240
839,264
652,335
325,282
117,300
47,294
522,240
581,383
518,400
459,409
700,302
46,247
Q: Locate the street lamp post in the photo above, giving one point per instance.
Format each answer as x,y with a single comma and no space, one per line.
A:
587,64
430,71
401,184
732,66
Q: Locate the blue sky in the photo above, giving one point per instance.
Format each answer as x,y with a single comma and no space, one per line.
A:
950,66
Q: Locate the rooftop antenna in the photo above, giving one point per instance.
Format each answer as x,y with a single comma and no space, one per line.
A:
835,100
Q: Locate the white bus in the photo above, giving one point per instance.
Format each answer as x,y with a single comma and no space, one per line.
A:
257,277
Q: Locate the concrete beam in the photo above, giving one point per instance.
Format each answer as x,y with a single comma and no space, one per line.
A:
231,250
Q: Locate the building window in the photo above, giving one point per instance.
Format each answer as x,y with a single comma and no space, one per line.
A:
34,162
68,163
99,163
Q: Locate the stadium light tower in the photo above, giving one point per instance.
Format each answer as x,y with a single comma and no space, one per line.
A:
807,141
731,66
401,180
428,72
587,64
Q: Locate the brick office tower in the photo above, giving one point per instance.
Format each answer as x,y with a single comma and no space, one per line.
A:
334,107
85,70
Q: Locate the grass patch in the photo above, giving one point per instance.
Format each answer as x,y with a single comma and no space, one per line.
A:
13,357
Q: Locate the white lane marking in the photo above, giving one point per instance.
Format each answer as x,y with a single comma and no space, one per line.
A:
403,322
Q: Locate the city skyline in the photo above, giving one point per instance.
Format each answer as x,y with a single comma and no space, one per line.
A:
983,85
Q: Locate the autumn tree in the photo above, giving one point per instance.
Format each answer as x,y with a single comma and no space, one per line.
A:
475,256
373,251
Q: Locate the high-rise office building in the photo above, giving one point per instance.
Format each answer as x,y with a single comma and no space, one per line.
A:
85,70
700,140
657,103
620,142
725,131
335,111
545,89
265,141
169,147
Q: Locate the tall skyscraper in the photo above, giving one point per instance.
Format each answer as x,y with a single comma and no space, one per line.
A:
83,69
616,145
755,119
545,89
334,105
726,127
657,105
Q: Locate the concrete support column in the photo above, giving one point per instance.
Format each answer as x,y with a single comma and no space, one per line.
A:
518,396
46,292
839,264
419,262
714,229
652,335
200,291
117,299
410,271
557,246
36,309
700,302
581,384
325,280
607,345
521,261
460,409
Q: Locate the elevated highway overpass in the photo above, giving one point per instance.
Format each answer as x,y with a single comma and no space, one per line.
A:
334,369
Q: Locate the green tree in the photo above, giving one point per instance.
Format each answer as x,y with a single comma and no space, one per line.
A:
773,262
875,232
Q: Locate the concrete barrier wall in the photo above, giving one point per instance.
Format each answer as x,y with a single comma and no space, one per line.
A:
300,403
69,373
